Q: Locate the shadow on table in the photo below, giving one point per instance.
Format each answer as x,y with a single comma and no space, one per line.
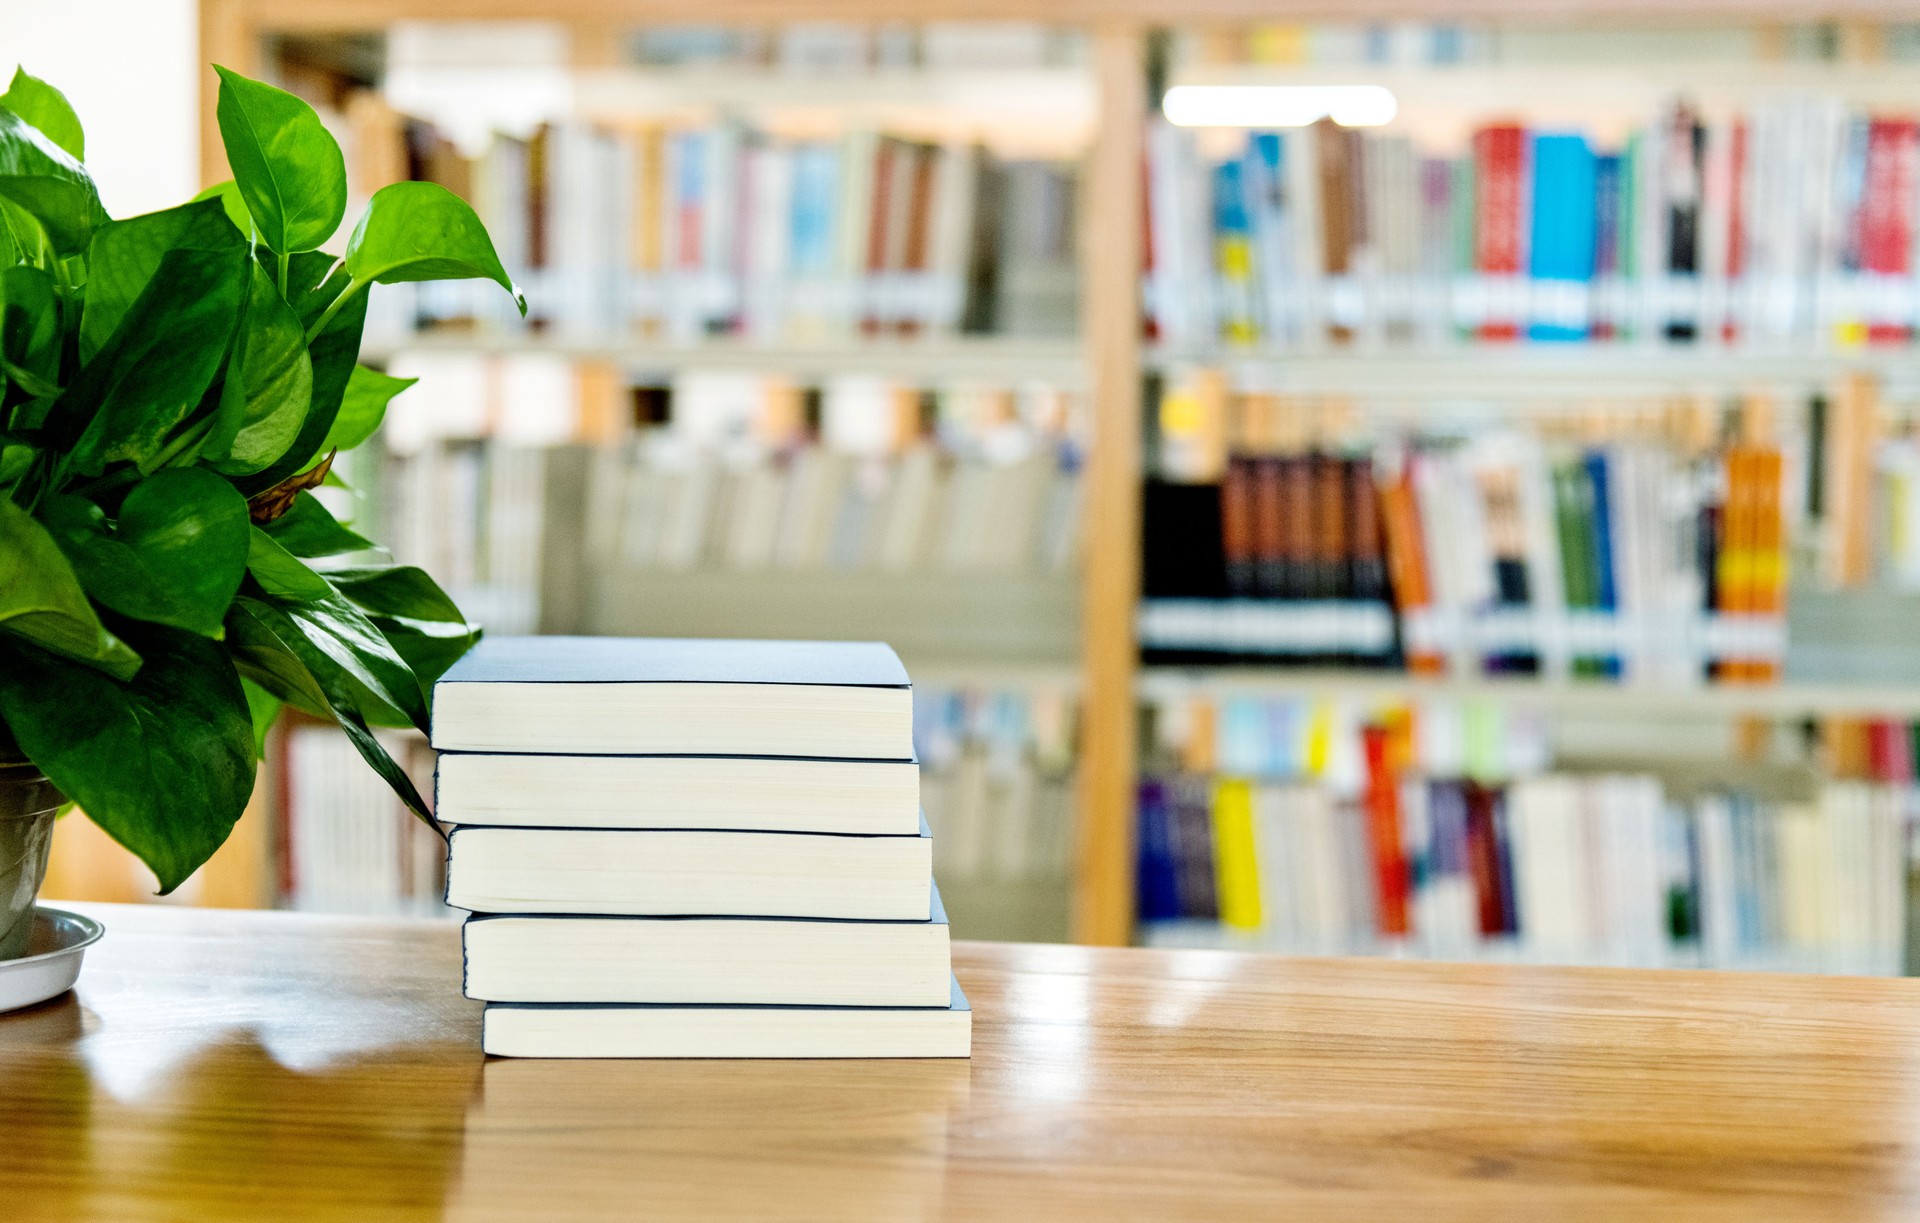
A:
139,1127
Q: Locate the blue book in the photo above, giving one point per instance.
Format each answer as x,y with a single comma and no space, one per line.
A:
1233,252
1607,597
816,188
1562,240
676,697
1157,879
602,1030
1270,219
754,961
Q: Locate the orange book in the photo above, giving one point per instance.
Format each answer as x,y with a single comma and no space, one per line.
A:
1734,566
1382,802
1407,565
1767,562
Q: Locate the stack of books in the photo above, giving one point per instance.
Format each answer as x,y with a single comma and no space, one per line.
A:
675,848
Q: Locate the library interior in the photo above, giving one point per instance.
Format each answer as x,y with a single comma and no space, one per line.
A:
1393,526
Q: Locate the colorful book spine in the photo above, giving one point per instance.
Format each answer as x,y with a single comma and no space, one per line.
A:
1564,223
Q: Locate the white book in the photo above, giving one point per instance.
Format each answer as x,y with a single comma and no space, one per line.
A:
627,696
876,797
736,960
667,872
581,1030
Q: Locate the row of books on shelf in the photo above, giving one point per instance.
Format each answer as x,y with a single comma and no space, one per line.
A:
1650,545
1791,222
1354,840
847,46
689,231
997,781
343,843
657,505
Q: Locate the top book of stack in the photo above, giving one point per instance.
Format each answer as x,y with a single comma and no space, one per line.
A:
601,696
602,732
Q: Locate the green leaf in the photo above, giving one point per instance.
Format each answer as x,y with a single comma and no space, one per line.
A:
288,166
312,286
343,634
228,193
269,385
309,530
281,573
30,330
363,407
262,660
48,184
264,708
161,359
163,763
258,622
47,109
42,601
413,614
175,556
124,256
422,231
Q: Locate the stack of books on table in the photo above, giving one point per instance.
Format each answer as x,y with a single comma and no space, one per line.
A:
676,848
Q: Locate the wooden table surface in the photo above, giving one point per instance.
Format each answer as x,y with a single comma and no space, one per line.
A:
220,1065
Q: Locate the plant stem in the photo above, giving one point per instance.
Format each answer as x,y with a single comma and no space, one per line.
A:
326,316
285,259
191,437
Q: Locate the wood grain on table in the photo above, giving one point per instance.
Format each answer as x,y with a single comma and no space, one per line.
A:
226,1065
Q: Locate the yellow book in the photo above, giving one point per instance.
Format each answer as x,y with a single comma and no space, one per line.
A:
1235,863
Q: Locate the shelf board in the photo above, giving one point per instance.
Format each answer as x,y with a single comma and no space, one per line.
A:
1572,373
999,358
1784,700
968,628
1605,93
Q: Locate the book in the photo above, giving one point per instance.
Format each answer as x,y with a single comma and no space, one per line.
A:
676,696
768,961
669,872
601,1030
873,797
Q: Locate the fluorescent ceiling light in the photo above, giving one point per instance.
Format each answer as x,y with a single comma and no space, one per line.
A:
1279,105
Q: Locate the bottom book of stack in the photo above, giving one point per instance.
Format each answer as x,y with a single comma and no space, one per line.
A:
599,1029
618,986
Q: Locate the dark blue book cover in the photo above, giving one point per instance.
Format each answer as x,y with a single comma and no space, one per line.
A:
1607,588
1157,877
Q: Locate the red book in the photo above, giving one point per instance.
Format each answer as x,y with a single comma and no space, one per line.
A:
1484,859
1885,220
1736,263
1499,156
1382,800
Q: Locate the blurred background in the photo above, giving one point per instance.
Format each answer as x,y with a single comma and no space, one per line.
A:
1439,487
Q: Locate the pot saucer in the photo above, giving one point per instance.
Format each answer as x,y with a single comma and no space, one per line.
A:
52,963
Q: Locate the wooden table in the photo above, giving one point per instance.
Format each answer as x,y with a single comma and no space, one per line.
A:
218,1065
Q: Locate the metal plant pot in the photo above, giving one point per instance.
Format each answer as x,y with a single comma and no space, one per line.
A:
28,802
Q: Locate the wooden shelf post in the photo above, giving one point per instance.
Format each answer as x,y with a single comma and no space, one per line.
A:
1110,266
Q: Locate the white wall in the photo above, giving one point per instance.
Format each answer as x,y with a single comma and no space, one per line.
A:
129,68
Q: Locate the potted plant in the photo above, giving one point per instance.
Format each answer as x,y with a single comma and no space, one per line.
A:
175,385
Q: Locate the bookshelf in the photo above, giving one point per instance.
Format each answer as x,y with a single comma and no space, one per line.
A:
1084,628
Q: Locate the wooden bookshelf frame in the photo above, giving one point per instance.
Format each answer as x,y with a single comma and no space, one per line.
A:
233,33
